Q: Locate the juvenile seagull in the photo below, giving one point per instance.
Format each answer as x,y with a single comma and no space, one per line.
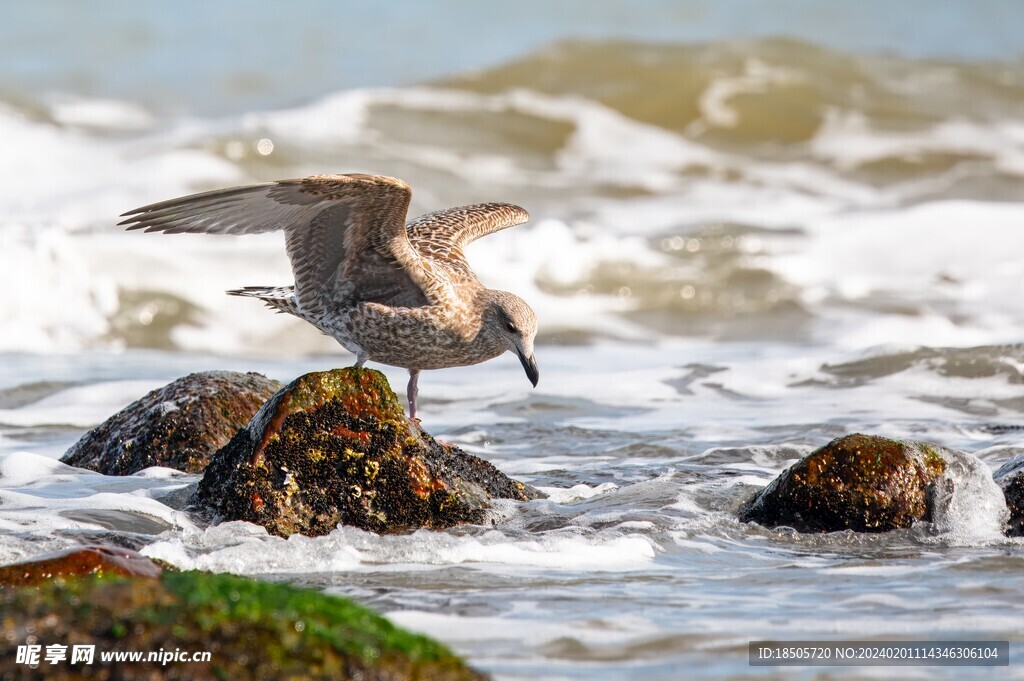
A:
389,291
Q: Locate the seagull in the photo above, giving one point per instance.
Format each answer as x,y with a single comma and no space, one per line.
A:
394,292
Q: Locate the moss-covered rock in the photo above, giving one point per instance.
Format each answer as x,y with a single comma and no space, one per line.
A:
252,630
857,482
178,426
334,448
78,562
1010,477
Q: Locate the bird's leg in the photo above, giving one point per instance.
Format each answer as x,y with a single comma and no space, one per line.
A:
361,359
411,391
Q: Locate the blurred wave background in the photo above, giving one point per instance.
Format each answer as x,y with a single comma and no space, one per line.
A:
737,169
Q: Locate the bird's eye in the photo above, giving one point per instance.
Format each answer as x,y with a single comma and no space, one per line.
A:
511,327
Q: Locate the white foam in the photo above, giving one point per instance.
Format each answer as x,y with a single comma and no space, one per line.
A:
847,139
47,503
877,569
523,629
102,114
339,118
897,253
553,253
756,78
969,507
62,302
60,291
82,406
22,469
90,180
579,492
243,548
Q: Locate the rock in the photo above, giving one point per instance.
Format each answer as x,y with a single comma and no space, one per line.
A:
1010,478
77,562
177,426
857,482
252,630
335,448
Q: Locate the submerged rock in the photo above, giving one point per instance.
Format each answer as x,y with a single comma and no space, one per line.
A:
334,448
78,562
1010,478
251,630
857,482
178,426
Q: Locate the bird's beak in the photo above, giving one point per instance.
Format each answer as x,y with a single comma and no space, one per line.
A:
530,366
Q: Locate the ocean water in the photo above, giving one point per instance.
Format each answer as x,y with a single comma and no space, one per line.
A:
757,226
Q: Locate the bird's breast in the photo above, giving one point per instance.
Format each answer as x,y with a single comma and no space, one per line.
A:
423,337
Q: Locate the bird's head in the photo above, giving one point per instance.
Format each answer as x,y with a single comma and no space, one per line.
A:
509,319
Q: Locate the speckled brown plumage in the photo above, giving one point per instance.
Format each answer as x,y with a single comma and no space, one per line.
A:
395,293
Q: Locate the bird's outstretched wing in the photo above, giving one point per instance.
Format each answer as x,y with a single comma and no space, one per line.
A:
442,234
345,234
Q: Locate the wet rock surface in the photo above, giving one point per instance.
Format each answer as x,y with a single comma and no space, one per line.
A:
335,448
857,482
251,629
1010,478
178,426
78,562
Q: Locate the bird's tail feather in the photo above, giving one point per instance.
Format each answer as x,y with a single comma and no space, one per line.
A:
277,298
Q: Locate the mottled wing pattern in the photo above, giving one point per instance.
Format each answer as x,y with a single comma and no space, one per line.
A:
345,234
440,236
376,278
354,248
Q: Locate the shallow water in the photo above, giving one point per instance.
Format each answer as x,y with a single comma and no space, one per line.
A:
741,248
635,565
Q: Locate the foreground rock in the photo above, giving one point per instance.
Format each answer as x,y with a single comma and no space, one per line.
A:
251,629
1010,477
858,482
78,562
178,426
335,448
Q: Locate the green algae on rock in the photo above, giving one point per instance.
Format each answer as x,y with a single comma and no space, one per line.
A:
177,426
857,482
1010,478
78,562
334,448
252,630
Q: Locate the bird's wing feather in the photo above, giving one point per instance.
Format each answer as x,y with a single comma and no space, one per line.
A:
345,234
441,235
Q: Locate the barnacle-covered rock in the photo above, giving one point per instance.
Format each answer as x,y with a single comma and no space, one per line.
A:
177,426
1010,477
334,448
857,482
